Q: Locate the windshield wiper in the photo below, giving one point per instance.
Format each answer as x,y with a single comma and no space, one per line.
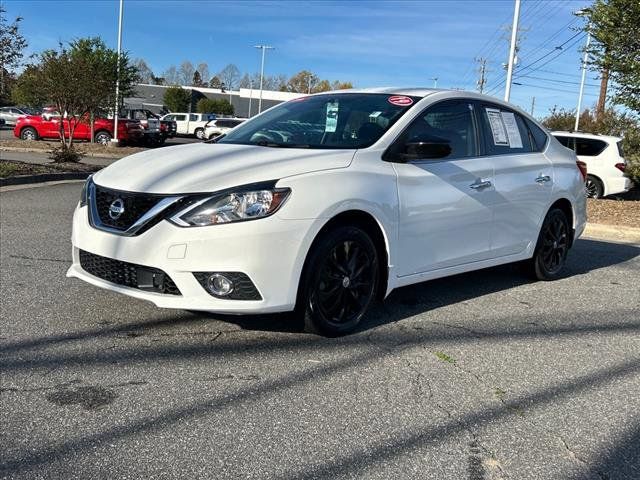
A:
264,143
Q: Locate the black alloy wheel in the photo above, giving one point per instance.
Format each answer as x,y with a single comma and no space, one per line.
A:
341,281
553,245
593,187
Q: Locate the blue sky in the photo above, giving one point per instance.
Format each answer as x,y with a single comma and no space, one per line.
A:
371,43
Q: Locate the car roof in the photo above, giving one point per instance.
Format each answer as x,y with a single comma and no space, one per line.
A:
586,135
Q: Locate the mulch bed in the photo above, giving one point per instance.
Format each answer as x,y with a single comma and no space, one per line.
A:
82,147
623,210
12,168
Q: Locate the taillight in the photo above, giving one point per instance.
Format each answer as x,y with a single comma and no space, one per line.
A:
621,166
583,169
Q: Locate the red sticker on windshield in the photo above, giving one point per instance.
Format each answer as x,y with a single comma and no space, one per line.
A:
400,100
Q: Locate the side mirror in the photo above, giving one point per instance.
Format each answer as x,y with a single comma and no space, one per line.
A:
426,150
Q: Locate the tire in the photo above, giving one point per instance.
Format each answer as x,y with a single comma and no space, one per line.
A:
552,247
29,133
594,187
199,133
339,282
102,137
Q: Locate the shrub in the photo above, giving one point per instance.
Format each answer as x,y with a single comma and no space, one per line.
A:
65,155
633,168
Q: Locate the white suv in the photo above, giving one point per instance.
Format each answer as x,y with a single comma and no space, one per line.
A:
324,203
220,126
605,163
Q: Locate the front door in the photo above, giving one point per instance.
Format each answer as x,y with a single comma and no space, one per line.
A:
446,203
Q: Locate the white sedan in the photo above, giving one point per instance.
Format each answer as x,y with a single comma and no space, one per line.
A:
221,126
324,203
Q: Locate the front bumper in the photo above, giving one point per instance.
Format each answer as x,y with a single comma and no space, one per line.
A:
269,251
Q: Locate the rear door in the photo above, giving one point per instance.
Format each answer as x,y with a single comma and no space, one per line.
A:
523,177
446,204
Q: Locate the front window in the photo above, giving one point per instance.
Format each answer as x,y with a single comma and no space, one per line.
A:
347,120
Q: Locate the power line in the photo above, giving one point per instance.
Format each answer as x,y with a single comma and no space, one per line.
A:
553,80
551,88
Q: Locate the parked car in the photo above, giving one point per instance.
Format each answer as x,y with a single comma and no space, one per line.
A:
150,123
11,114
47,125
325,203
220,126
605,162
190,123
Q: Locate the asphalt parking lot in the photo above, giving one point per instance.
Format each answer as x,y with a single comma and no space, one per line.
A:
480,376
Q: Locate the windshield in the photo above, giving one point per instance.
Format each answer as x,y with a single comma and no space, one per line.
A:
344,120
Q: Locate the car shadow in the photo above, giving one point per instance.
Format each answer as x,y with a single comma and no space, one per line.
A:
586,256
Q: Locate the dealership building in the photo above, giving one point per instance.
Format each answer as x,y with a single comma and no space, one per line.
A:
245,101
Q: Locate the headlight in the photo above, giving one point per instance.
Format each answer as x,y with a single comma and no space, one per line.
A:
84,195
232,207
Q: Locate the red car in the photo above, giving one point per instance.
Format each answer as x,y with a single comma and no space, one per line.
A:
35,127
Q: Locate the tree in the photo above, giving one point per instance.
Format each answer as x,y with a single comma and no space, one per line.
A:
12,45
144,72
229,75
203,69
171,76
215,82
245,81
615,28
197,80
79,80
338,85
208,105
185,74
177,99
302,82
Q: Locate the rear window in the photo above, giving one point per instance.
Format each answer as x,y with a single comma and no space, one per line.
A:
589,147
566,141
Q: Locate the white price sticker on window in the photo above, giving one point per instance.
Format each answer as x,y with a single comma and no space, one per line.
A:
331,123
513,133
498,129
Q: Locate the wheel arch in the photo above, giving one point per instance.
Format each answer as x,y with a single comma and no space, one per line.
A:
565,205
30,127
602,182
372,226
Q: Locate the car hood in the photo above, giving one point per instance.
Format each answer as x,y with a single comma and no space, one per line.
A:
207,167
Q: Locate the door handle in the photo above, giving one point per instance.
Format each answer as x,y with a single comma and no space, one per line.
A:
480,184
543,179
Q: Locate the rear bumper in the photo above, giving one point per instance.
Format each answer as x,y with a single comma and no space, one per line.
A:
618,185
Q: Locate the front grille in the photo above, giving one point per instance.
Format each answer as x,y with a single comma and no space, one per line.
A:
135,206
128,274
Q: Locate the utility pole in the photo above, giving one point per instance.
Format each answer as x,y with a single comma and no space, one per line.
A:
584,68
482,81
264,48
115,111
602,99
533,104
512,50
435,82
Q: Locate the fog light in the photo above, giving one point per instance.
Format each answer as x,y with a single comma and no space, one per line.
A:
219,285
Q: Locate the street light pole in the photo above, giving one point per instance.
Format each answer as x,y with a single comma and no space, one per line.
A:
264,48
250,96
435,82
115,111
512,50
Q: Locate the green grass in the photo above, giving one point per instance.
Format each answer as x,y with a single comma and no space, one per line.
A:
445,358
8,169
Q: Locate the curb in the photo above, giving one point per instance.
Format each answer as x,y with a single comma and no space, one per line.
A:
43,177
613,232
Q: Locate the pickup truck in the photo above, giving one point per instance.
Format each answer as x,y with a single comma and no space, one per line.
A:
190,123
150,123
47,125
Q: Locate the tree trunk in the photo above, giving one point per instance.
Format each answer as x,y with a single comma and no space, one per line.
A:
92,123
